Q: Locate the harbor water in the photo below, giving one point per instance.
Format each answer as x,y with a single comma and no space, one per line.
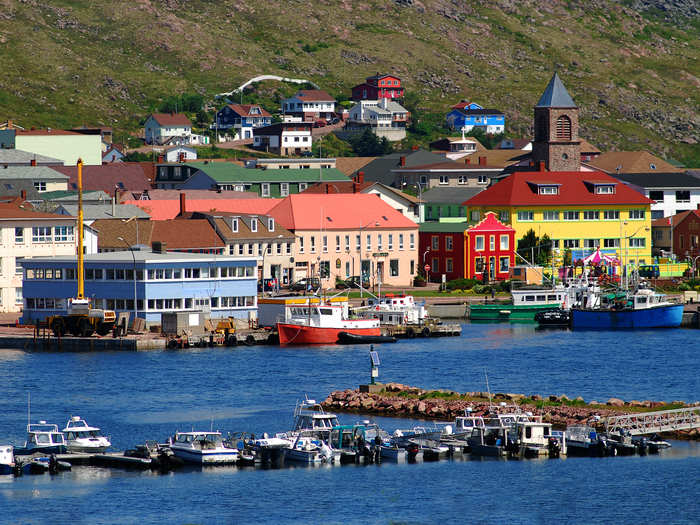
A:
134,396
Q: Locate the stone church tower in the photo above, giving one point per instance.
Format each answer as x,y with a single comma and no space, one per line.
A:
556,129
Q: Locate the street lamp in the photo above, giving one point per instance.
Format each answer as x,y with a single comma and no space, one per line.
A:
420,198
136,310
426,272
693,263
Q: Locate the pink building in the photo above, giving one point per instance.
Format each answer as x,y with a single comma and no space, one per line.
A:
343,235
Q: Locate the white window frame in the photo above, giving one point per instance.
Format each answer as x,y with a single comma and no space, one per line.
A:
265,189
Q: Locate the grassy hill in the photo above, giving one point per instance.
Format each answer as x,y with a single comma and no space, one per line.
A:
631,65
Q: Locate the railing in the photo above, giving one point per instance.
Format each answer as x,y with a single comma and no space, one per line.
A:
655,422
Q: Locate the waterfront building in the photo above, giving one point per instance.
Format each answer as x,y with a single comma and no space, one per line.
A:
441,247
489,250
148,283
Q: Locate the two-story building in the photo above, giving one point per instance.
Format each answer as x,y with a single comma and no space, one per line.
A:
441,248
447,173
445,204
171,129
66,146
378,86
579,211
284,138
686,237
309,105
27,233
146,283
469,115
672,193
241,120
344,235
385,117
40,179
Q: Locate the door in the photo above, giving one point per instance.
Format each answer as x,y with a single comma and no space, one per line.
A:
380,272
492,268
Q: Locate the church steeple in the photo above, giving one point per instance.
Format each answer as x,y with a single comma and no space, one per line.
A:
556,129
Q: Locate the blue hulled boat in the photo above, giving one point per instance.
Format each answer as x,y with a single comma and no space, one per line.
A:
641,310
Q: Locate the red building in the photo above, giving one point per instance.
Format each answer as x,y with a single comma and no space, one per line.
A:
489,249
378,86
686,234
441,246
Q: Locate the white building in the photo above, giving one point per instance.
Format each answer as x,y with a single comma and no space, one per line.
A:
283,138
25,233
672,193
385,117
180,154
310,105
171,129
67,146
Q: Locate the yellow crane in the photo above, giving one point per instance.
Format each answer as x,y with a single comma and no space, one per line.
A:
80,319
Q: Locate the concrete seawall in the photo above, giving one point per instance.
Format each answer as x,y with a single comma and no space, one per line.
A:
79,344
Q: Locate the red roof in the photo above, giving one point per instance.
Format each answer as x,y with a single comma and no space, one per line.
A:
181,235
169,209
48,131
341,211
520,189
171,119
314,94
461,105
133,176
244,109
16,210
490,224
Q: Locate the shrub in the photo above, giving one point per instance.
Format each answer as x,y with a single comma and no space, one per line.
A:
460,284
683,287
482,289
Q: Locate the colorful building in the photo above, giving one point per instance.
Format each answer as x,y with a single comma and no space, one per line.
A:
378,86
469,115
441,247
578,210
489,250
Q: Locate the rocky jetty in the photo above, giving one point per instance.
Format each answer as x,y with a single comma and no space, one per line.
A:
397,400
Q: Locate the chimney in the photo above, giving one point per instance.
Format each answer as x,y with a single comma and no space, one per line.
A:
402,161
482,161
541,166
114,204
360,177
23,196
159,247
32,162
182,156
182,204
467,160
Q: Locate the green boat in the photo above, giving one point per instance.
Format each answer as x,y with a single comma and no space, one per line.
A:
526,303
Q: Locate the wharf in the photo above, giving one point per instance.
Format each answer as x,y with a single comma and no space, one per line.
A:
79,344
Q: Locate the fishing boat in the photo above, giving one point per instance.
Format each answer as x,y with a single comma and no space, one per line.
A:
642,309
346,338
81,437
308,450
203,448
311,324
310,418
583,440
7,460
524,305
42,438
394,309
534,438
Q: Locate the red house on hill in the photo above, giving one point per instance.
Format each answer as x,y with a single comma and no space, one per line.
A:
378,86
490,250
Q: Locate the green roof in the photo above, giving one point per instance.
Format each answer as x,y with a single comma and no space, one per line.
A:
228,172
443,227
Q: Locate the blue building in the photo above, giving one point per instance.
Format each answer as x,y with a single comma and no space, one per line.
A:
471,115
241,119
165,282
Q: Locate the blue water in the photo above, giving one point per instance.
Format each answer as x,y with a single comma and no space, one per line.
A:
149,395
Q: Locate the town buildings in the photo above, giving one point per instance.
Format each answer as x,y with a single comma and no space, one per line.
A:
686,237
67,146
672,193
378,86
447,173
466,116
442,249
36,179
241,120
283,138
384,117
309,105
489,250
171,129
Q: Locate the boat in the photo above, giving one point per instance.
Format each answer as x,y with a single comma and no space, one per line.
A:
524,305
310,324
269,450
311,419
534,438
347,338
583,440
394,309
203,448
308,450
351,443
42,438
558,318
160,456
642,309
81,437
7,460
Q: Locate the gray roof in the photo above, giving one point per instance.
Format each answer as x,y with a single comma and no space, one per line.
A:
379,170
556,95
659,180
30,172
18,156
104,211
449,195
142,256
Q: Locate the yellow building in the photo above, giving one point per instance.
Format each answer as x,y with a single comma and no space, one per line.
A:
578,210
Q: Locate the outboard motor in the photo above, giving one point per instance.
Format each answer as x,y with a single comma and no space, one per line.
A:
553,447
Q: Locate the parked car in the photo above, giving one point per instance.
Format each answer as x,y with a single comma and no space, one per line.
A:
267,285
320,124
650,271
307,283
352,282
333,120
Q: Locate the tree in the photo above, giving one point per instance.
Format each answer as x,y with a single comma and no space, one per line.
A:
535,249
369,145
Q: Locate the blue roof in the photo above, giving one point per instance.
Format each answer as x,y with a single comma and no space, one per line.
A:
556,95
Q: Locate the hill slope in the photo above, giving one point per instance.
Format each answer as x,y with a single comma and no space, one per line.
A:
631,65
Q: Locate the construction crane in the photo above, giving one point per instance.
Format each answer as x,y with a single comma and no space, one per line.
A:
79,319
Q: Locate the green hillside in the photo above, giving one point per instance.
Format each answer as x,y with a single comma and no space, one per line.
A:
631,65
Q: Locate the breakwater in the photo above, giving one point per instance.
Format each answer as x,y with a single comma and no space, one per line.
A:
397,400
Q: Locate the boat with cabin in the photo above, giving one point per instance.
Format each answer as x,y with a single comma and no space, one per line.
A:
81,437
524,305
43,438
394,309
309,450
203,448
584,440
533,438
7,460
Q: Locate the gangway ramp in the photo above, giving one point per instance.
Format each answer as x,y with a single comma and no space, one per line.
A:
655,422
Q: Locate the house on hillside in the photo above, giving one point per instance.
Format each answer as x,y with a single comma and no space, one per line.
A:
180,154
112,154
241,119
613,162
385,117
283,138
171,129
378,86
447,173
304,163
469,115
309,105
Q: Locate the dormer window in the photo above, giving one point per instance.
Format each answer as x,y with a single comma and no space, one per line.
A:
234,225
605,189
271,224
254,224
548,189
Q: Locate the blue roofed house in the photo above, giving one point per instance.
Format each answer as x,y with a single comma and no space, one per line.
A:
239,120
470,115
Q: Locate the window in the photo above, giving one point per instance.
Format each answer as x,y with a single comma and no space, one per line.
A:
358,242
525,216
479,265
270,224
390,242
682,196
548,189
40,185
63,233
337,243
461,179
369,241
41,234
379,242
325,269
448,265
302,186
591,215
492,242
325,244
265,189
301,244
571,215
284,189
504,242
503,264
475,215
444,179
640,242
394,267
254,224
611,243
411,241
636,214
313,244
347,243
550,215
504,216
448,242
483,179
611,215
657,196
563,128
605,189
19,235
435,266
413,267
590,244
435,242
479,241
571,243
400,241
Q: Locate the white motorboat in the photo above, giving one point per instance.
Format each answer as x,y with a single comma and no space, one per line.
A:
308,450
394,309
534,438
7,459
312,420
583,440
81,437
43,438
203,448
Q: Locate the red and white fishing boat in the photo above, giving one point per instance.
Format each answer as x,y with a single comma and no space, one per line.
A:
321,324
